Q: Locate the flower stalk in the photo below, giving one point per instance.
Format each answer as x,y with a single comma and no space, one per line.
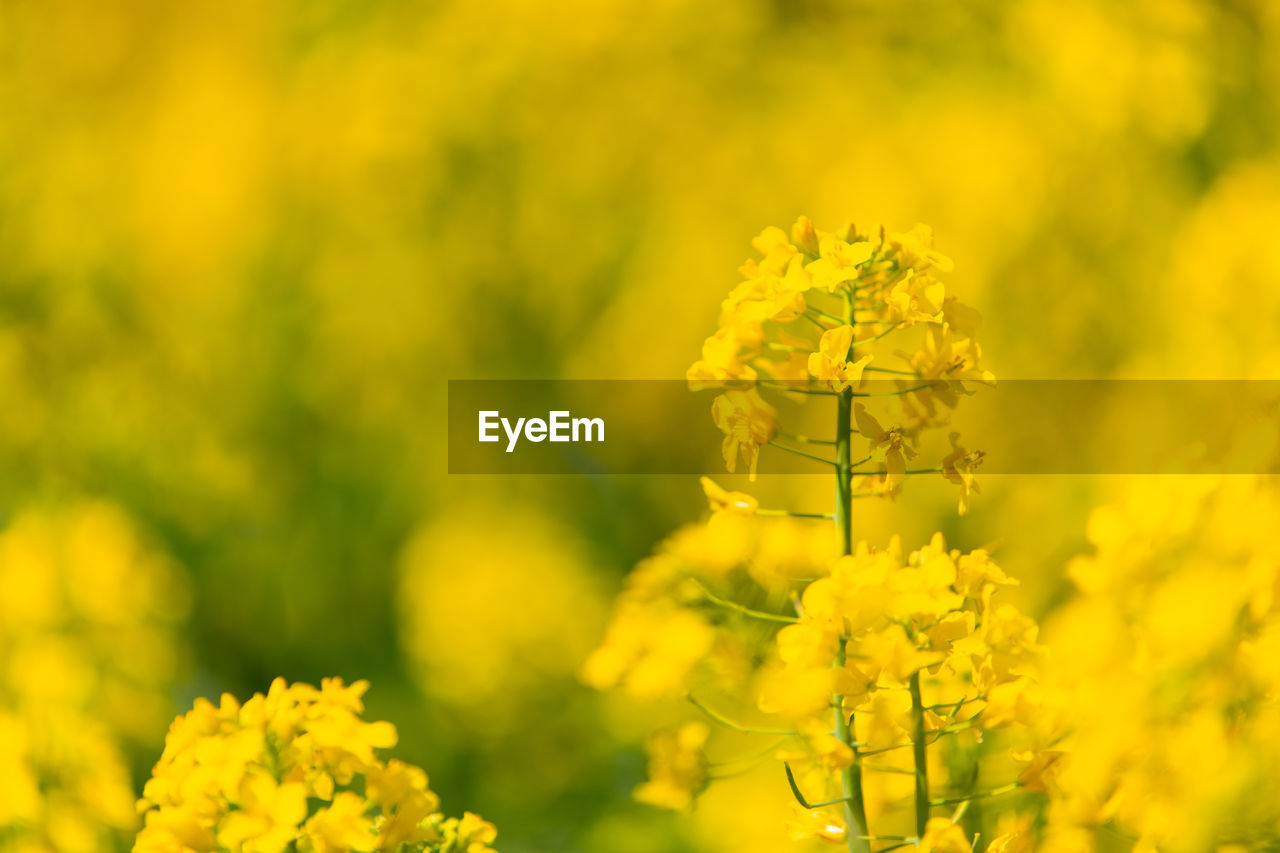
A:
851,776
919,751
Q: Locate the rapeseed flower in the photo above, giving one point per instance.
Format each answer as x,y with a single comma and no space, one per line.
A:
296,767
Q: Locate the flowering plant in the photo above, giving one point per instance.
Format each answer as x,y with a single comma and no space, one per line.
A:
889,674
294,769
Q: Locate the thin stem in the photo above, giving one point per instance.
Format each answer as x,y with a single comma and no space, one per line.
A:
935,736
738,608
887,768
815,321
869,369
844,482
920,754
806,439
994,792
789,514
778,386
873,338
801,453
899,393
725,721
824,315
850,777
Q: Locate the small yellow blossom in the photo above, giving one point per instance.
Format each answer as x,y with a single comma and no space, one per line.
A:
722,500
748,423
831,362
892,443
958,467
243,775
943,836
677,767
819,824
838,263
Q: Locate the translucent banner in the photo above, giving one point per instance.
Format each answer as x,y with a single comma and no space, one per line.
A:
660,427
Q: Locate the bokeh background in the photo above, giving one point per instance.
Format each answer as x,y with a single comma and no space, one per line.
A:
243,245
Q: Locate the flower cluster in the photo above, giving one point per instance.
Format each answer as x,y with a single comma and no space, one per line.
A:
903,687
87,656
296,768
808,318
1169,654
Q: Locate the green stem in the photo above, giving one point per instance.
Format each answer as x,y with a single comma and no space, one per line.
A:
801,453
786,513
874,338
795,388
823,314
920,753
806,439
900,392
855,812
739,608
851,777
725,721
869,369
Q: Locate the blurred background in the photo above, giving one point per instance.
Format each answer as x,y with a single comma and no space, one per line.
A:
243,245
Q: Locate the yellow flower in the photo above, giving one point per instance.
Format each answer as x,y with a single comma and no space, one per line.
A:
1014,835
839,262
650,649
772,244
470,834
915,298
831,361
238,777
767,295
952,360
677,767
340,827
914,249
819,824
722,500
891,442
722,365
943,836
267,818
976,573
796,693
400,792
805,236
748,423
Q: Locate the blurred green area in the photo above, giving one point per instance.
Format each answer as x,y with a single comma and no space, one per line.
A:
243,245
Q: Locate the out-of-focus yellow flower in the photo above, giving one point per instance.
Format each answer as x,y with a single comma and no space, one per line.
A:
483,617
1173,726
722,500
243,774
722,364
958,467
821,824
943,836
649,650
677,767
88,653
748,423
